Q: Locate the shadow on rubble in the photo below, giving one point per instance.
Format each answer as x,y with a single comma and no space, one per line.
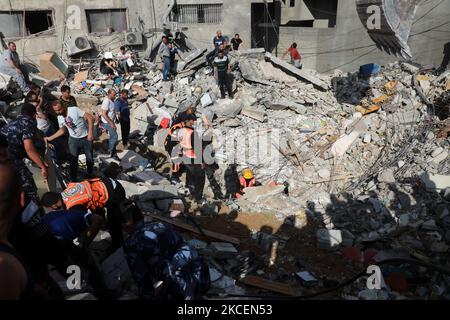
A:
401,216
350,89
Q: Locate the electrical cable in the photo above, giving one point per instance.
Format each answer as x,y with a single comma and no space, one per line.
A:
428,12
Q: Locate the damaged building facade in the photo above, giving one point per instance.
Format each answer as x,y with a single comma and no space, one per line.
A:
329,33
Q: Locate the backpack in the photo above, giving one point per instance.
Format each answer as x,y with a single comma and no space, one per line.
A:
156,253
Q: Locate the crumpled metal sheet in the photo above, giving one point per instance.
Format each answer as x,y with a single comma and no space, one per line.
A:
397,17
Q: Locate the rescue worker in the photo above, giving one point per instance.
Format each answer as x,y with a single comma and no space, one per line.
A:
190,147
94,195
246,180
21,135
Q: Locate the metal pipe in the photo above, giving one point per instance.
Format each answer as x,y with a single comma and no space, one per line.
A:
165,17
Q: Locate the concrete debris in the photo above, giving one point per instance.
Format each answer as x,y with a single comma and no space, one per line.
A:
298,72
254,114
435,182
351,162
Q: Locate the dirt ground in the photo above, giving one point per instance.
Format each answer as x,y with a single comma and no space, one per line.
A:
301,244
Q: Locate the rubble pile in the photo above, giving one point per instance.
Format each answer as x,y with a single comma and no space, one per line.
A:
360,164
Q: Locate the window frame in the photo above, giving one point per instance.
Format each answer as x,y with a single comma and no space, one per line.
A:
201,19
24,33
106,10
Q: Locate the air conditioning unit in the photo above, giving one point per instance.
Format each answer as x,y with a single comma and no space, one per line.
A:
133,39
78,45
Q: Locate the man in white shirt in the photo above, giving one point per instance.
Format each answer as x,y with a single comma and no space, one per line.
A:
80,126
123,57
109,122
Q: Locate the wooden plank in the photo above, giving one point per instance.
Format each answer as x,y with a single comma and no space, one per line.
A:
188,227
261,283
298,72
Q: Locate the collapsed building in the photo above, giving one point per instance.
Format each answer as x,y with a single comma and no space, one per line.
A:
365,160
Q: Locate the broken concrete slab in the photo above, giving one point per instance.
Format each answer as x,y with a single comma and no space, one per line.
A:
171,102
386,176
247,74
227,108
130,159
298,72
254,113
443,155
191,58
329,238
435,182
206,100
404,118
254,51
344,143
282,104
255,194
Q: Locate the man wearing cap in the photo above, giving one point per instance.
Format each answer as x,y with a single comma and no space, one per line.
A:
190,147
20,134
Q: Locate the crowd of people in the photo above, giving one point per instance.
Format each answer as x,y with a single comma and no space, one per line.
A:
39,231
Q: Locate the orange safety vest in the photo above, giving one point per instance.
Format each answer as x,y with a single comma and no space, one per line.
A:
91,194
244,185
172,130
186,145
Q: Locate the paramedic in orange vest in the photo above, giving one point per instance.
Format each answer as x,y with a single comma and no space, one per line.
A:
94,195
192,157
246,180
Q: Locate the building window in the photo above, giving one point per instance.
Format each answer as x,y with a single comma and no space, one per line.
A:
22,24
109,20
292,3
197,13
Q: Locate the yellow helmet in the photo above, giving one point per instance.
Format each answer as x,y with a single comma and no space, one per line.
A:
247,174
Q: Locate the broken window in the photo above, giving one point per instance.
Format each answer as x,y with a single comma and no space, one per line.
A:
197,13
12,23
311,13
110,20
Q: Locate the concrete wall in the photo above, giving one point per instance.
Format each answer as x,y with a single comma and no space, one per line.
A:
348,46
31,47
345,47
236,19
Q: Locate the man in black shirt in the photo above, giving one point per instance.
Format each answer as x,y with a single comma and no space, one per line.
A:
236,42
222,68
218,40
